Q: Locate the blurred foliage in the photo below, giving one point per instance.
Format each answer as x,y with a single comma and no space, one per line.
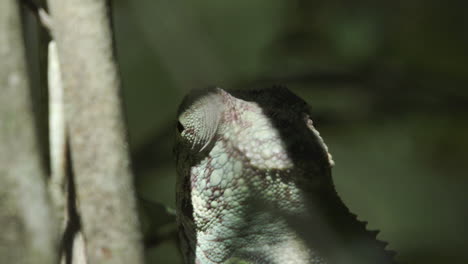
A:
387,82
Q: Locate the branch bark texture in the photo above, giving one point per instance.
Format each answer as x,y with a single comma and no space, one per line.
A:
95,124
28,230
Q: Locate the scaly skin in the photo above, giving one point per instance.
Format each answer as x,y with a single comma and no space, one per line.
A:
254,185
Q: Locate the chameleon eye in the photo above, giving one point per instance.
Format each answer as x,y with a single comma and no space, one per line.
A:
180,127
199,116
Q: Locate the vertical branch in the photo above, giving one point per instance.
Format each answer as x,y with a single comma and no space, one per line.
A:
96,130
57,137
28,234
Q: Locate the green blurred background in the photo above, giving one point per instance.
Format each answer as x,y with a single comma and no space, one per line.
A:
387,82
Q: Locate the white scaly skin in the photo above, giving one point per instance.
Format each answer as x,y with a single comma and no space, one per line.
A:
254,185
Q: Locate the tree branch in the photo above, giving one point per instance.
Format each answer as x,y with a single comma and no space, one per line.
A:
98,142
28,234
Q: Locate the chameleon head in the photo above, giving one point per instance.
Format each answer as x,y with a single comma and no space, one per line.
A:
254,182
256,123
243,160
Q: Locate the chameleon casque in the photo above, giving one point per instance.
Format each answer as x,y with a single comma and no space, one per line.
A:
254,184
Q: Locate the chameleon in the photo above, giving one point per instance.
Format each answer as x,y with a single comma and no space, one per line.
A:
254,184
